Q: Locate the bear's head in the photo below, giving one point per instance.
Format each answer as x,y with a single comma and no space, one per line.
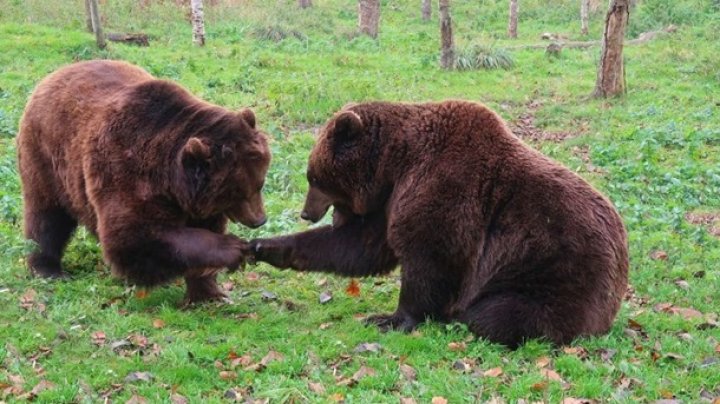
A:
223,166
343,169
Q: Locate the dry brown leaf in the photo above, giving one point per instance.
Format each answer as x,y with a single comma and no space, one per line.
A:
252,276
272,356
457,346
408,372
228,375
98,338
551,375
316,388
178,399
407,400
141,293
494,372
439,400
539,386
158,323
325,326
571,400
580,352
336,397
362,372
542,362
686,312
353,288
243,361
666,394
135,399
659,255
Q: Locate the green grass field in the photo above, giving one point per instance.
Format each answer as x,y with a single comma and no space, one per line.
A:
655,153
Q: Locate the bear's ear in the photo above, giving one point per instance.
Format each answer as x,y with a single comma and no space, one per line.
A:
195,149
348,125
248,116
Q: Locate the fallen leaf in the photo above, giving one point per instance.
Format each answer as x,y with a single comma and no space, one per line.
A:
457,346
362,372
139,377
178,399
243,361
634,325
682,284
674,356
322,282
580,352
252,276
659,255
717,348
461,365
141,293
228,375
539,386
685,312
368,347
266,295
325,297
666,394
135,399
228,286
337,397
98,338
353,289
407,400
408,372
316,388
494,372
272,356
27,300
571,400
439,400
607,354
551,375
663,307
542,361
158,323
325,326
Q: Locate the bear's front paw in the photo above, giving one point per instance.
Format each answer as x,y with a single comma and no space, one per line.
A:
395,321
236,251
271,251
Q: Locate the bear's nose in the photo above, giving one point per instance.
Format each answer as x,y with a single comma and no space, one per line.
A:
304,215
259,222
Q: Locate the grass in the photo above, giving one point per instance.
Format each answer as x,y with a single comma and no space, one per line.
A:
655,153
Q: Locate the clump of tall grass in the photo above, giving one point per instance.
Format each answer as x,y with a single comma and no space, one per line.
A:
484,57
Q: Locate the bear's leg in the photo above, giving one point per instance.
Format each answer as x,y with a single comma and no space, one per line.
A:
202,284
425,293
51,229
202,288
510,319
357,248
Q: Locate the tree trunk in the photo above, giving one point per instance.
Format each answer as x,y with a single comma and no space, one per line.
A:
88,16
512,24
198,22
426,10
95,20
369,17
611,72
447,45
584,11
305,3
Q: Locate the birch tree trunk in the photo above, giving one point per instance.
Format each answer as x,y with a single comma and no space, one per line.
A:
305,3
96,26
512,23
584,11
198,22
369,17
426,10
611,72
447,45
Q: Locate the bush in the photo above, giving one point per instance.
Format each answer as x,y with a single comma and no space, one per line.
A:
484,57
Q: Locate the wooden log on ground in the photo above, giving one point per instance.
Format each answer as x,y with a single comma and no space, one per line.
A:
132,39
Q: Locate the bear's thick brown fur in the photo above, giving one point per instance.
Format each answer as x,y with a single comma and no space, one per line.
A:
150,169
488,231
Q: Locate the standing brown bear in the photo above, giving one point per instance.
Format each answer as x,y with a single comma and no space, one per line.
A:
150,169
488,231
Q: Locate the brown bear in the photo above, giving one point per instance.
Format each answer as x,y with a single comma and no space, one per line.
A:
151,170
488,231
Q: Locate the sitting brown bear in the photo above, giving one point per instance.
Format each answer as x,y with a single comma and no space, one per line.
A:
488,231
150,169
